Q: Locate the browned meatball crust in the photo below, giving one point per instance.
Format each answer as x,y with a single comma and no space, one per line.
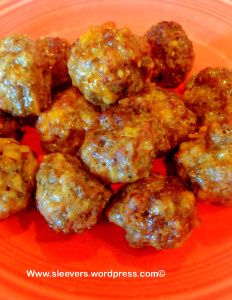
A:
17,176
172,53
209,94
129,134
25,79
122,152
156,211
56,51
107,64
63,127
175,121
9,126
205,163
69,198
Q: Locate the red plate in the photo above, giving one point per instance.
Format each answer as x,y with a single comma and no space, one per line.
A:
202,268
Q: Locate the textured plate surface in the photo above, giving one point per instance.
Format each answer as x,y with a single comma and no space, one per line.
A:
202,268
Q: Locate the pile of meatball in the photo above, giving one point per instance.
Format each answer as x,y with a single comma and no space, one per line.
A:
105,107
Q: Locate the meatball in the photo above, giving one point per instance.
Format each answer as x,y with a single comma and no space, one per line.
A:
156,211
172,53
120,148
25,79
69,198
205,163
209,94
17,176
107,64
56,51
63,127
9,126
175,120
121,152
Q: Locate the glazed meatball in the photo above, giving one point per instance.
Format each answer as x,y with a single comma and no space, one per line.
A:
122,151
9,126
209,94
175,120
156,211
17,176
107,64
25,79
56,51
172,53
205,163
69,198
129,134
63,127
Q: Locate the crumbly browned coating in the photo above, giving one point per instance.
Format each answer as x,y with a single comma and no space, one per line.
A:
122,151
9,126
206,164
156,211
172,53
25,79
129,134
63,127
17,176
56,51
107,64
174,119
209,94
69,198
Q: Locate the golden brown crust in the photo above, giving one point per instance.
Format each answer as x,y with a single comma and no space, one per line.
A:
206,164
209,94
107,64
63,127
25,79
56,51
172,53
121,154
129,134
156,211
17,176
174,120
69,198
